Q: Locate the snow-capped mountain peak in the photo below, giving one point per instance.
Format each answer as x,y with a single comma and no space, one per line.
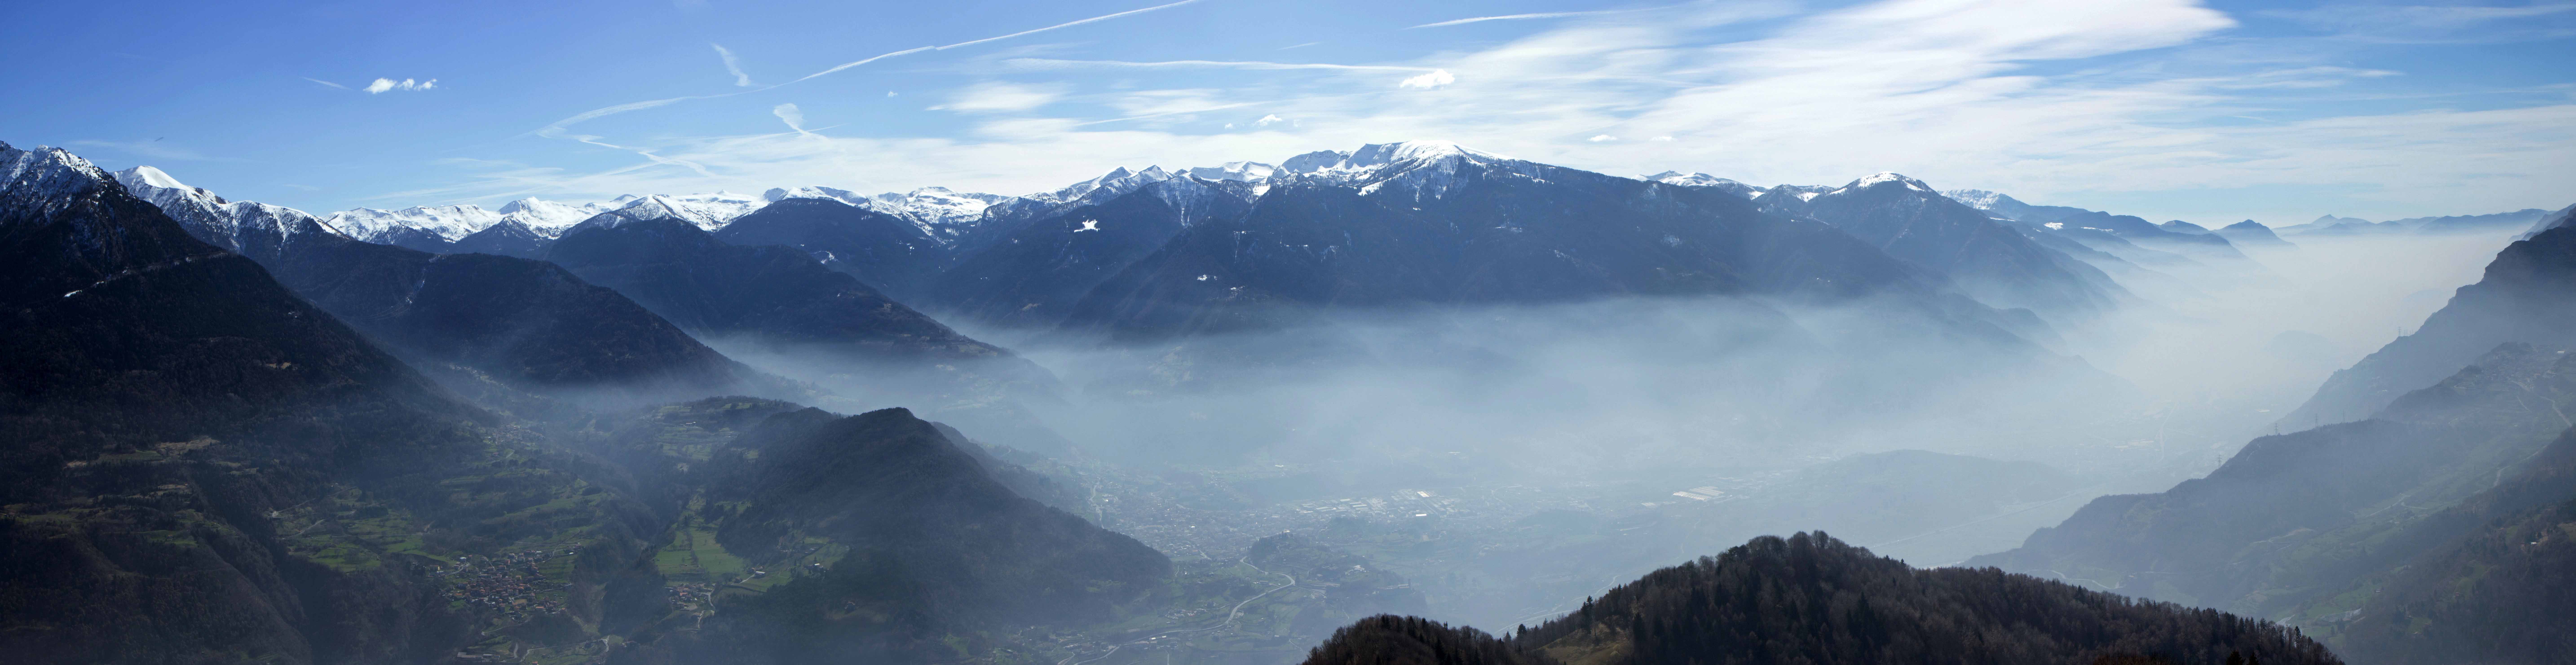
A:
146,175
44,179
1889,178
1681,179
548,218
1379,154
248,226
1419,169
940,212
657,207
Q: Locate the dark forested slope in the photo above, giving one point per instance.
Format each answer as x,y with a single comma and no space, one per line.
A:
1810,599
881,539
2501,587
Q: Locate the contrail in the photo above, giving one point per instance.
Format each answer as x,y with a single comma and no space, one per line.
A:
555,129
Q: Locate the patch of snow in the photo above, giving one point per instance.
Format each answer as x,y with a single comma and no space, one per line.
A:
1678,178
1236,171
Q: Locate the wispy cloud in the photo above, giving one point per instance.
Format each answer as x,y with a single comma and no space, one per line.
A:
998,96
1045,64
794,117
732,65
556,128
383,84
2012,94
323,82
1527,17
2422,24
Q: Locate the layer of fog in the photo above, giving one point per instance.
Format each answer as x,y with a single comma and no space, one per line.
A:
2230,357
1627,401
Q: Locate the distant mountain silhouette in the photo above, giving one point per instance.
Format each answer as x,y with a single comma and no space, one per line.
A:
1032,276
1999,266
884,251
1438,225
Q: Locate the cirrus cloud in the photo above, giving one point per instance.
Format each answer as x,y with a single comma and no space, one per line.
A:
384,84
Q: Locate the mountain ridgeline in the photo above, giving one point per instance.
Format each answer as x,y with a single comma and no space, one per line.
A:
1811,599
504,329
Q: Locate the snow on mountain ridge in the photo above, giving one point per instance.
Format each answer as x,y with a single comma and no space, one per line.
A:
1236,171
47,176
447,222
1679,179
655,207
548,218
1885,177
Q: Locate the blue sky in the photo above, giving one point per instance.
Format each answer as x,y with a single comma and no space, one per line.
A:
2278,111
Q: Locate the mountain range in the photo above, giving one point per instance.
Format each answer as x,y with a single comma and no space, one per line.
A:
245,433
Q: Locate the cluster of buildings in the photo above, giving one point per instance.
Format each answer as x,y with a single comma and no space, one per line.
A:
510,583
691,595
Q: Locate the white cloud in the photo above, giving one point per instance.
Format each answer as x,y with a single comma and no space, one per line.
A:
732,65
1269,120
999,96
794,117
381,85
323,82
1663,139
1604,138
1437,78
